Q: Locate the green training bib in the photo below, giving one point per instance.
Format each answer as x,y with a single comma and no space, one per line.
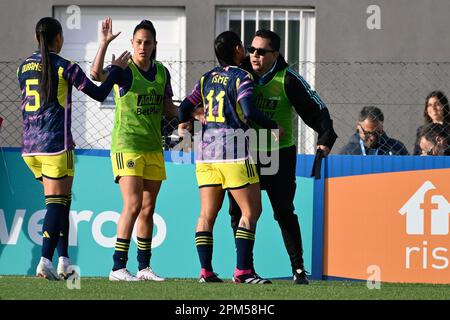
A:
137,120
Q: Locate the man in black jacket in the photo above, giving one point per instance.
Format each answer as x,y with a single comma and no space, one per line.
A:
370,138
278,91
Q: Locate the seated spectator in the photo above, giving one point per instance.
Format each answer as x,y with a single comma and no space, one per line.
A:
370,138
434,140
436,111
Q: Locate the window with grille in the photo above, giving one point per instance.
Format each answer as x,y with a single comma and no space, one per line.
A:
294,26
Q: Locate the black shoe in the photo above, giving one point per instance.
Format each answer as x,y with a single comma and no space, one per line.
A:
300,277
250,278
211,278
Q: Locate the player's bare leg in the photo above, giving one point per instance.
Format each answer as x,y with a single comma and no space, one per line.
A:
131,188
145,231
249,201
211,199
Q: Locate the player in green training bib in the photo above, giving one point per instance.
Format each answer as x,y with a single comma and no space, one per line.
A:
142,94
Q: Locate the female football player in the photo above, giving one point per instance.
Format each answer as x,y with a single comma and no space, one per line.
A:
142,94
46,81
223,163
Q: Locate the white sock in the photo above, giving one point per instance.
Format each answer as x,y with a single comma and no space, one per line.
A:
46,261
64,260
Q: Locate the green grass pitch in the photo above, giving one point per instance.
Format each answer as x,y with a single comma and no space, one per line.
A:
30,288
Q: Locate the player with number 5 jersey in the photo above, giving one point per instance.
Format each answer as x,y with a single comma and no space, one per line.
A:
46,81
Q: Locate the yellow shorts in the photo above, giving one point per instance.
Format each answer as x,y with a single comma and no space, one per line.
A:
53,167
148,165
230,175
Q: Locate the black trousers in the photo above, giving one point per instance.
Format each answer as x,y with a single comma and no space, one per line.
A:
281,191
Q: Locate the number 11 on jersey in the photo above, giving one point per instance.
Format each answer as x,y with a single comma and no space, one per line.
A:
210,117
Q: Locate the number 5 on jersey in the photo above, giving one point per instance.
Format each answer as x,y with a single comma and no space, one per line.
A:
32,93
210,117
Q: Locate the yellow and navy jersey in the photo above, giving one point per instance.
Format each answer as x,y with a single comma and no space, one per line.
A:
220,91
46,124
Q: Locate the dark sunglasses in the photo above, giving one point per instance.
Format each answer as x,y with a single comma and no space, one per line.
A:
259,51
375,133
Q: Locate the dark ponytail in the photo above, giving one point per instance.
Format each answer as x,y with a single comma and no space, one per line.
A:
46,31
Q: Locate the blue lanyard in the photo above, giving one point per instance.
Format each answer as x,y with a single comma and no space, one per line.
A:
363,149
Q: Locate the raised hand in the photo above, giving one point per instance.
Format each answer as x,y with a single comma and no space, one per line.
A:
106,34
122,60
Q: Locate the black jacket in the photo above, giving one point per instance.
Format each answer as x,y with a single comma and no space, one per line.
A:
387,146
306,102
